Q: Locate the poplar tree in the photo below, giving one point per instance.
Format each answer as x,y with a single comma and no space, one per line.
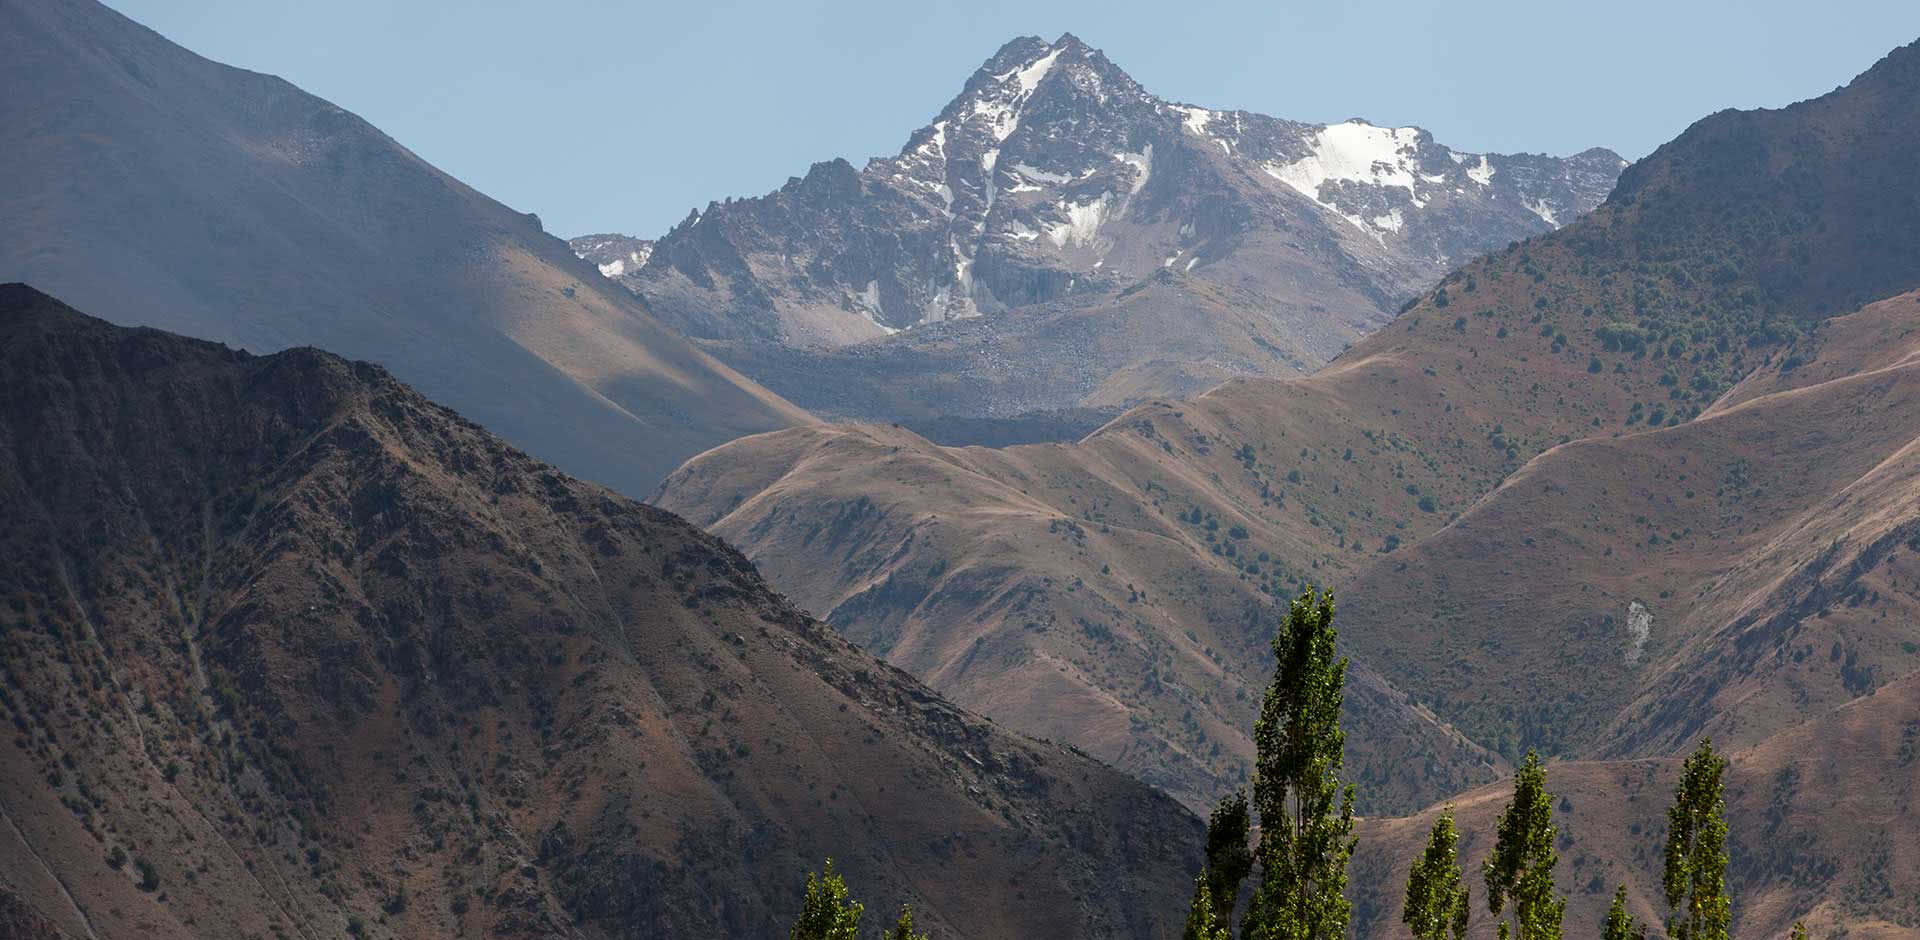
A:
1306,815
1696,857
903,928
1229,854
1437,903
1620,924
1202,922
827,913
1799,930
1521,867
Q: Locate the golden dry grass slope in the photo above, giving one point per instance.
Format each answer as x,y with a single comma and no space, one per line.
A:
1823,816
1486,473
153,187
288,651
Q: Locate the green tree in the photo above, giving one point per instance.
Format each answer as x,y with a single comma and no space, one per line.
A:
827,913
1306,815
1696,858
1202,921
1437,903
1799,930
1620,924
903,928
1521,868
1229,853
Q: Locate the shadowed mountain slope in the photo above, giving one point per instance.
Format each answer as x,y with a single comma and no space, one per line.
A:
153,187
289,650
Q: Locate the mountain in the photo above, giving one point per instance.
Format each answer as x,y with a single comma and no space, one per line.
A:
290,650
1649,422
154,187
1118,245
1821,817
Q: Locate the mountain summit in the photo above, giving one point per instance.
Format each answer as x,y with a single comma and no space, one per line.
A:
1054,177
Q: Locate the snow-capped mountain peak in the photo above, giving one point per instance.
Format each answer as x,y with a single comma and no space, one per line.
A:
1053,173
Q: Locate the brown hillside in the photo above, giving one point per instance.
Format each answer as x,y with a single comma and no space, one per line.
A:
1733,575
152,187
328,657
1170,527
1820,816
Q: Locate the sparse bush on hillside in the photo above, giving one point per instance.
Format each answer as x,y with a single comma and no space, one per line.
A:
149,876
1620,337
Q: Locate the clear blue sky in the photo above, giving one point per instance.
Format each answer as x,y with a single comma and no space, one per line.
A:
602,115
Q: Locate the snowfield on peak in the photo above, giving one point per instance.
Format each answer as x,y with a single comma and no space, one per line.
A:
1354,152
1054,181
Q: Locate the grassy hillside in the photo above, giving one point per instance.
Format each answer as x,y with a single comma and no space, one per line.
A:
1111,592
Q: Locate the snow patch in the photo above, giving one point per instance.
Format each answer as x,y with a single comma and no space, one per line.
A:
1142,164
1482,174
1003,117
1355,152
1038,175
1031,76
867,302
1083,222
935,146
1196,119
1540,208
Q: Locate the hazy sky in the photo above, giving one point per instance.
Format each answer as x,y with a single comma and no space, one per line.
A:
621,116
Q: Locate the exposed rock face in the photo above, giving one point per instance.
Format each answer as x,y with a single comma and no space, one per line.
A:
613,254
1054,177
287,648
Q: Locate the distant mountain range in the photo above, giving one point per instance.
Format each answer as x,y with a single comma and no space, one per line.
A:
1642,479
154,187
1599,462
1121,245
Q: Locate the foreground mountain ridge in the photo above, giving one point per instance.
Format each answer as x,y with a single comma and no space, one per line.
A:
290,650
1056,190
